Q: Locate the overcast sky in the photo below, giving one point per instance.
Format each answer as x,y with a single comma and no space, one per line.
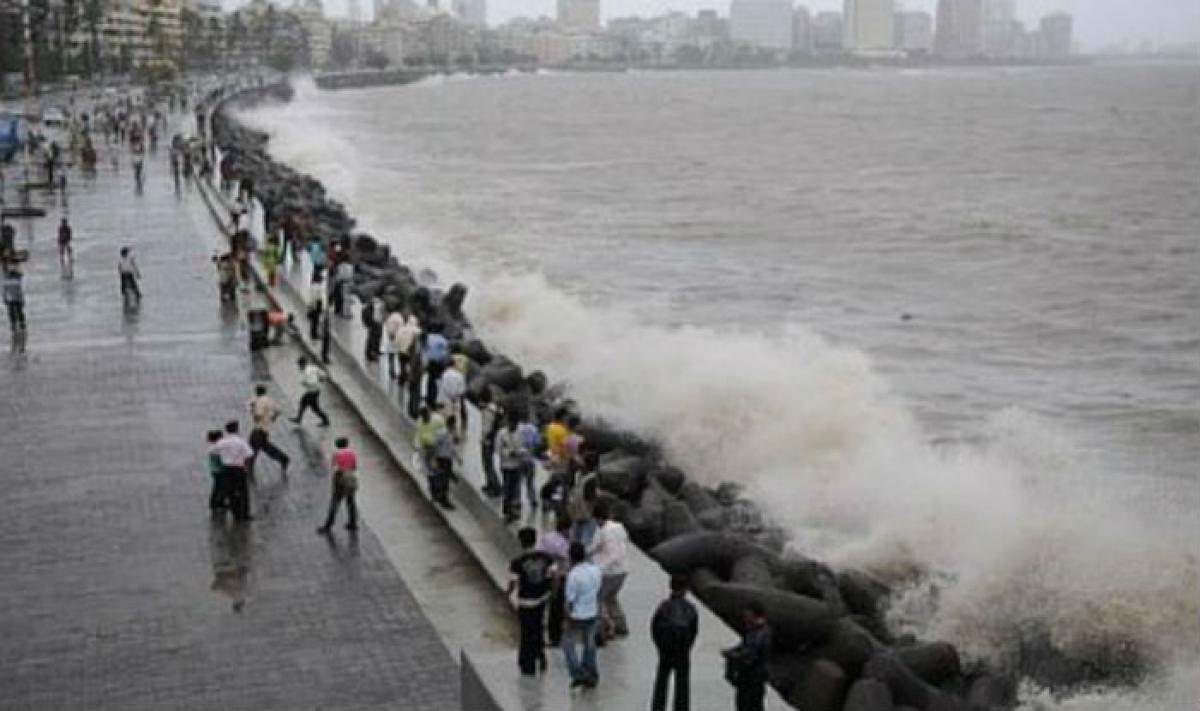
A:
1097,22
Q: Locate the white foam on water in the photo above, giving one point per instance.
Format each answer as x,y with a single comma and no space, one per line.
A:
1012,534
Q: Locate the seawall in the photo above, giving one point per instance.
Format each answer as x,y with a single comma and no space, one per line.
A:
833,648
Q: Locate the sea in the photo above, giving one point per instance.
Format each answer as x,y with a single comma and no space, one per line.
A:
943,323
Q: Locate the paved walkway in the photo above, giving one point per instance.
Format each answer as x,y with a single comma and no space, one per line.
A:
118,592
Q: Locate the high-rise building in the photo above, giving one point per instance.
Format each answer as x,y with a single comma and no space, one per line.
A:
999,18
959,29
472,12
802,30
1056,35
914,32
582,15
354,11
762,23
827,33
867,26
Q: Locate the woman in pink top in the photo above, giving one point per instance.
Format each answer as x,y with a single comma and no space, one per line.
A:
345,484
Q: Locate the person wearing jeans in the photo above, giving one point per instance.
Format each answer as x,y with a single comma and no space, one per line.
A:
582,598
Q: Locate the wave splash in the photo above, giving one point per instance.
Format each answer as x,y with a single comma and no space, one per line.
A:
1012,538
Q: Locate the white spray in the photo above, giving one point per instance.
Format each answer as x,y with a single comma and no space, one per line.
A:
1008,536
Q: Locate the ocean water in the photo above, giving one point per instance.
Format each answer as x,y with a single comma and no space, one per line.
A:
944,323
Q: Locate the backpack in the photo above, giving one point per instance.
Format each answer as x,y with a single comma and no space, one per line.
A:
673,624
579,505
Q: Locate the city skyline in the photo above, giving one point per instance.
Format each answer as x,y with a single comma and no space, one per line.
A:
1098,23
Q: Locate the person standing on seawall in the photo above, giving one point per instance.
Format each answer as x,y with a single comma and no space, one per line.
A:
746,664
558,544
582,598
493,420
435,356
531,575
611,546
674,628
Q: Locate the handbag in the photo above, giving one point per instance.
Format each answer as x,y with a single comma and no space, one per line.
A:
348,480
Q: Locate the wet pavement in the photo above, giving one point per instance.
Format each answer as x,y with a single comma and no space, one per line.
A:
118,590
626,666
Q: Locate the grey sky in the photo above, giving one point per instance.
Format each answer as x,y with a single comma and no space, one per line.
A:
1097,22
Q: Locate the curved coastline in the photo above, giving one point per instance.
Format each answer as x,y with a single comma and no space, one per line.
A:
834,647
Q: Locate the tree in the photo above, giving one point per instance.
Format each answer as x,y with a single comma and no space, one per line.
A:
341,49
377,60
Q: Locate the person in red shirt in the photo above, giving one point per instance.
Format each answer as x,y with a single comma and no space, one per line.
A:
345,485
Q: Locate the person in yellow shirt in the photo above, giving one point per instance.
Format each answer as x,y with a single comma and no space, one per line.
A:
555,435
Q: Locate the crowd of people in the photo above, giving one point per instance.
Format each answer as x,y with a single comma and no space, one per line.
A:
119,123
566,585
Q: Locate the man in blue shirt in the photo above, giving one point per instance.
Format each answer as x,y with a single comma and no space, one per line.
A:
582,598
435,356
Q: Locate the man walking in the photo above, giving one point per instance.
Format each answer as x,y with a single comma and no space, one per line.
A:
611,544
234,454
264,410
66,254
127,268
746,664
531,575
345,485
14,300
674,628
582,594
310,379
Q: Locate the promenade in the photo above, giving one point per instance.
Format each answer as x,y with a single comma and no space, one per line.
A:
119,592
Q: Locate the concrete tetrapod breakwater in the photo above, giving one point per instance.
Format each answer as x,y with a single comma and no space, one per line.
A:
832,647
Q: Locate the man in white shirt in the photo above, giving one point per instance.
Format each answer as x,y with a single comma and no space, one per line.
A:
310,380
127,268
234,453
610,552
581,597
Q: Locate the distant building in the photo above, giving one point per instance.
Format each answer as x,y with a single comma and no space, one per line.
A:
827,33
472,12
867,27
959,29
998,25
710,25
914,32
762,23
354,11
137,33
317,29
1056,35
579,15
206,9
802,30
